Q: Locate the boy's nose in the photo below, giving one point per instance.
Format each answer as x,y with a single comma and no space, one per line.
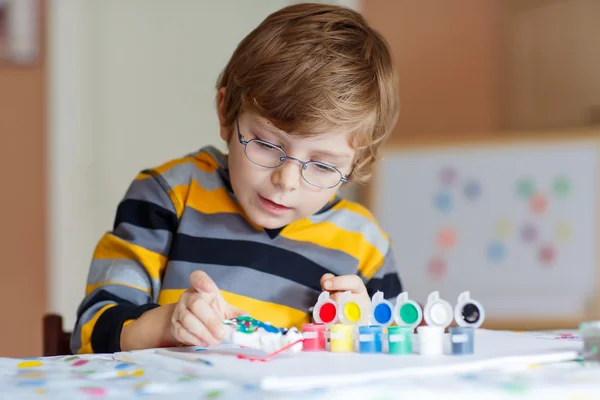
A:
287,176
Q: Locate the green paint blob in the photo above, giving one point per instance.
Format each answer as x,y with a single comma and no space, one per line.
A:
409,313
562,186
525,188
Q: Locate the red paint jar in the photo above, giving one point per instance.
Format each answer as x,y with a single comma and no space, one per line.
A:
314,337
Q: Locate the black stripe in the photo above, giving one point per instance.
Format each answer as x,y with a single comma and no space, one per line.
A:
106,336
146,215
389,284
258,256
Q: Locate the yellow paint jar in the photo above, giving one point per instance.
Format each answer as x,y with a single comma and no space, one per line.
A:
340,338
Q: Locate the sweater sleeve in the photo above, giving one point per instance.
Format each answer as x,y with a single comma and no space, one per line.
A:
124,277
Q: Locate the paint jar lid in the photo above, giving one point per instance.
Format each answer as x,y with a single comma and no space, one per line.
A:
589,328
438,312
468,312
382,311
349,310
407,312
325,311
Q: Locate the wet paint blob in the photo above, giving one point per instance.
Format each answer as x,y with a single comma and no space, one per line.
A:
327,312
525,188
352,312
436,267
409,313
472,190
496,251
448,176
443,202
382,313
538,204
447,238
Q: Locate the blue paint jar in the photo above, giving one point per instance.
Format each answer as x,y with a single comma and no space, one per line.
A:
369,338
461,339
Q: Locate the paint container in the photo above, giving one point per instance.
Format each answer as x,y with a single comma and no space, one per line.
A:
400,339
461,340
314,337
438,314
326,310
349,311
381,312
590,334
469,314
340,338
369,338
407,312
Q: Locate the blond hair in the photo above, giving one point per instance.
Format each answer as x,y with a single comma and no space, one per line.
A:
313,68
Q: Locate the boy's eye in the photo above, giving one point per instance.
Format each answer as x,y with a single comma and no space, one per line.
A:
266,146
324,169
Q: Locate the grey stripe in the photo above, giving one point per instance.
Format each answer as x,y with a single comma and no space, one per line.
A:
136,296
149,190
246,282
156,240
118,270
354,222
234,227
183,174
219,157
85,317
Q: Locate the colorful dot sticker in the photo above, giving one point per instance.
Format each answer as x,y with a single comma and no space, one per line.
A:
30,364
525,188
562,186
496,251
563,232
446,238
529,233
448,176
443,202
437,267
472,190
503,228
538,203
547,254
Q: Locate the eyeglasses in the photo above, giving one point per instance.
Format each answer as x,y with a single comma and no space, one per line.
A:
268,155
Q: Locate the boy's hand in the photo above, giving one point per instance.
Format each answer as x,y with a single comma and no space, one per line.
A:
198,316
337,285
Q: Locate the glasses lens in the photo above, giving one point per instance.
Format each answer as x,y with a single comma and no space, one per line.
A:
321,175
264,154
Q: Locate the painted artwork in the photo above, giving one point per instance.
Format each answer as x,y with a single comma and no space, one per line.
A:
494,220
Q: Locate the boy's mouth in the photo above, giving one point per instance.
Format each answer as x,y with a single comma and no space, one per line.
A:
271,206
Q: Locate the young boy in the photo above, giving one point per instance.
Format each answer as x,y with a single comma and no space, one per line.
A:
303,105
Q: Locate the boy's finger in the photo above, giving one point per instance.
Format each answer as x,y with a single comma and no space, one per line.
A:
345,282
233,312
201,282
325,278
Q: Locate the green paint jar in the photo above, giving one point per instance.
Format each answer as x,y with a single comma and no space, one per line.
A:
400,339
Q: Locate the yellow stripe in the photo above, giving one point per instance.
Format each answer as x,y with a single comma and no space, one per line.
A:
88,328
110,246
331,236
214,201
277,314
90,288
202,162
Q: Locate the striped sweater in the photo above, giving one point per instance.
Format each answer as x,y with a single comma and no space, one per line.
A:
183,216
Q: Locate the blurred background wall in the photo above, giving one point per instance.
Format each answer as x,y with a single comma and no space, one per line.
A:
122,85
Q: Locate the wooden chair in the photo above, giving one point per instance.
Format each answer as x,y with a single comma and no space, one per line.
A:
56,341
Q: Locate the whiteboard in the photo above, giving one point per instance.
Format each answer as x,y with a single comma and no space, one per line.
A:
514,224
